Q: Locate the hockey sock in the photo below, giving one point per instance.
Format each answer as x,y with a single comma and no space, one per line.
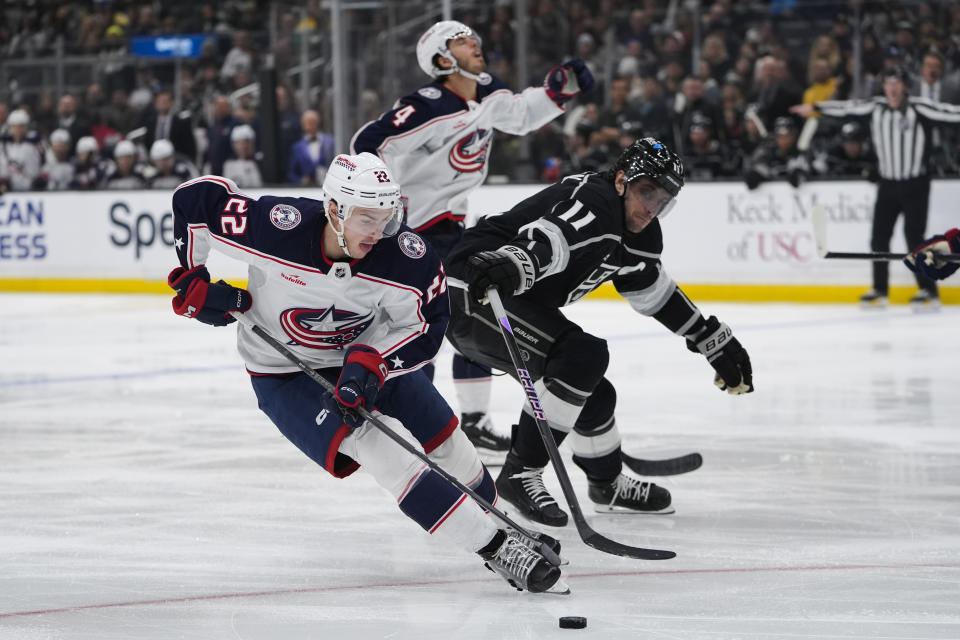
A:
442,509
472,383
428,369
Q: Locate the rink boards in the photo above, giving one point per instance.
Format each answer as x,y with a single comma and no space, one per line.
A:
722,241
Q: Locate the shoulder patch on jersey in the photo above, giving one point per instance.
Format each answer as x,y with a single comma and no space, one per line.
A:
484,78
431,93
285,217
412,245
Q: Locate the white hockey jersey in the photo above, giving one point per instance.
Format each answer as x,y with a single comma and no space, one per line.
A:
394,299
436,143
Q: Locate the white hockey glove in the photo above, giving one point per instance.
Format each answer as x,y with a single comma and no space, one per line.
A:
729,359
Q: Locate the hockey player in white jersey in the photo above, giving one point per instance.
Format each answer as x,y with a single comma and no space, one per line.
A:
362,299
437,141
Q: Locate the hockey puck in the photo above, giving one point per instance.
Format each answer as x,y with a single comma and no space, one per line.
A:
573,622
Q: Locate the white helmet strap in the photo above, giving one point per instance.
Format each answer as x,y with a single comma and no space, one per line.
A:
341,241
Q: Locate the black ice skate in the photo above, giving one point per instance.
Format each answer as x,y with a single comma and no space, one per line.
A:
924,300
523,488
479,431
524,568
874,299
629,495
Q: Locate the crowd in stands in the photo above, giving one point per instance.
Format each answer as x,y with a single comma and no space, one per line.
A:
727,114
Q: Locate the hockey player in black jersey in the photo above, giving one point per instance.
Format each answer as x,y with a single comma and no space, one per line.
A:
361,299
549,251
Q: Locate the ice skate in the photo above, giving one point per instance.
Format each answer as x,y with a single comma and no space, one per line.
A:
874,299
924,300
629,495
524,568
523,488
479,430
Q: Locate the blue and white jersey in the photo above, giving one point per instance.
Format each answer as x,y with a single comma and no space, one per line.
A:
437,143
394,299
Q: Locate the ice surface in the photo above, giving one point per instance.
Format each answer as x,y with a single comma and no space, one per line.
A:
143,495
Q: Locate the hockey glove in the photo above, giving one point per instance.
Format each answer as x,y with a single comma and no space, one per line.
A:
923,259
510,269
335,414
208,302
363,373
725,354
567,80
753,179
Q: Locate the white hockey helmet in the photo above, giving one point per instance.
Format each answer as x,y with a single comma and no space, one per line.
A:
87,144
434,42
161,149
362,181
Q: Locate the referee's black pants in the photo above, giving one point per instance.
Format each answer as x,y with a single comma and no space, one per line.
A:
912,197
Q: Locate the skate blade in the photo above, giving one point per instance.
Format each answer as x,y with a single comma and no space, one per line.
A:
925,307
625,511
874,306
559,588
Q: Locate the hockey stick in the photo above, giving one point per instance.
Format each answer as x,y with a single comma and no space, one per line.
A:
587,534
664,467
818,215
551,556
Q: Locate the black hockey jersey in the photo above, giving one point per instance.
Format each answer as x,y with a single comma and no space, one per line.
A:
576,231
394,299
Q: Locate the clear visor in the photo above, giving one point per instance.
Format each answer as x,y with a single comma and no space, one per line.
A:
373,222
654,198
463,37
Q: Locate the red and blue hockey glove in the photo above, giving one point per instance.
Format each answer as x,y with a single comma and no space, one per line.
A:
923,259
510,269
729,359
208,302
364,371
567,80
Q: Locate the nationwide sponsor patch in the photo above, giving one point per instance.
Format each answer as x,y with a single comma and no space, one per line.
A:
430,93
285,217
412,245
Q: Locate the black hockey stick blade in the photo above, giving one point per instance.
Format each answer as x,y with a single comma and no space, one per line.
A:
884,255
548,553
591,537
664,466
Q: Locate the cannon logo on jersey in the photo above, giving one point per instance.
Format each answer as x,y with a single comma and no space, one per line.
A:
330,328
285,217
470,153
412,245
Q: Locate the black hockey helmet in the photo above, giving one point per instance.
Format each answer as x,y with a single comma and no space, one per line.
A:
650,158
852,132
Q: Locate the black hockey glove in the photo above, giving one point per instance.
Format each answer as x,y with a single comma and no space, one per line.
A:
335,414
208,302
725,354
364,371
510,269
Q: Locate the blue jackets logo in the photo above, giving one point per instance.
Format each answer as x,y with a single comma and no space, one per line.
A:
470,153
285,217
329,328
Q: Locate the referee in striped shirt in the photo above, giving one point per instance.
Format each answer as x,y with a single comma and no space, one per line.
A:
902,132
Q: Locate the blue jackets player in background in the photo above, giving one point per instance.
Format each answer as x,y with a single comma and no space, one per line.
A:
437,141
362,299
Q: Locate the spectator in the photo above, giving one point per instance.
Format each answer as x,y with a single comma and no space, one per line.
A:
851,156
119,116
21,155
312,154
780,159
240,57
67,118
823,85
123,172
704,158
653,111
244,169
715,53
58,168
774,91
690,102
167,170
163,124
87,167
288,127
611,119
218,135
932,84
